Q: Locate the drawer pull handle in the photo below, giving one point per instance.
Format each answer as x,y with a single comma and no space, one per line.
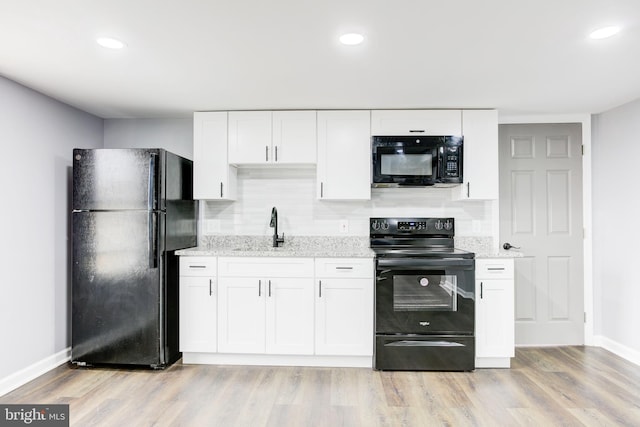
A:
495,268
197,266
344,268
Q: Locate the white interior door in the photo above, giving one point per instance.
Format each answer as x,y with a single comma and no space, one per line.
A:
541,213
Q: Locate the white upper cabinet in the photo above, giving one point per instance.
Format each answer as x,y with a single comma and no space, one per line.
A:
294,137
416,122
272,137
249,137
213,178
344,155
480,162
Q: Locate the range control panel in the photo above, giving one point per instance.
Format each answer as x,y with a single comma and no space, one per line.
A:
413,226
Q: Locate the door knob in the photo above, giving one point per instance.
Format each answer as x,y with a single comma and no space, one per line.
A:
508,246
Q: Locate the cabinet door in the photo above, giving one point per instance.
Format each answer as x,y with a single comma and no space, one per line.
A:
416,122
344,317
344,155
480,162
241,308
213,178
289,318
494,318
198,314
294,137
250,137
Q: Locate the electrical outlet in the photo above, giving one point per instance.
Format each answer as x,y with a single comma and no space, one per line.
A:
344,226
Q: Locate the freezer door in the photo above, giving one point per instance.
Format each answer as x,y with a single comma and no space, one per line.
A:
118,288
112,179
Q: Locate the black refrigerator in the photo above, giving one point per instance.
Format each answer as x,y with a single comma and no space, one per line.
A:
132,209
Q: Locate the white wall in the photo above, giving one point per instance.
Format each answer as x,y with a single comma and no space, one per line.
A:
616,230
175,135
38,135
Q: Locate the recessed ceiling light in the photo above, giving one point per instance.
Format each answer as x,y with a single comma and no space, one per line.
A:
351,39
605,32
110,43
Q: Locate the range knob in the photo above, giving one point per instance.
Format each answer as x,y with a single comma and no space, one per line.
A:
439,225
385,225
375,225
448,225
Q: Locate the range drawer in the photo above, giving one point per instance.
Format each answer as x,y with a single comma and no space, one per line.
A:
344,267
498,268
197,266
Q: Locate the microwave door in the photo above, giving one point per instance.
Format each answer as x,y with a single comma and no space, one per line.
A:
405,165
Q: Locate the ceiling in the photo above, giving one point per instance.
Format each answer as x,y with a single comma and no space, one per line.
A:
187,55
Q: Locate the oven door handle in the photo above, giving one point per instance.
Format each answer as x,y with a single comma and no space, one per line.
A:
426,264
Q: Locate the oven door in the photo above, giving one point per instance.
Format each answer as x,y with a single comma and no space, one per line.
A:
401,163
425,296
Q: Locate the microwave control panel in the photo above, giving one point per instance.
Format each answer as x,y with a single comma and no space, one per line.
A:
451,162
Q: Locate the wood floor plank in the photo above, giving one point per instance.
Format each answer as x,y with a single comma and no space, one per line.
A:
568,386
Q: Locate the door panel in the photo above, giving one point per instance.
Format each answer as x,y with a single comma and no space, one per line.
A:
525,277
541,212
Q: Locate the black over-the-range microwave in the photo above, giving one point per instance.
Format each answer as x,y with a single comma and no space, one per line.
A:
416,160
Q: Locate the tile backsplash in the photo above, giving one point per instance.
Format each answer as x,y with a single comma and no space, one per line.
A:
293,192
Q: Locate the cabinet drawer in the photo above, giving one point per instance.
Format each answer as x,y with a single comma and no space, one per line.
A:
494,268
344,267
265,267
197,266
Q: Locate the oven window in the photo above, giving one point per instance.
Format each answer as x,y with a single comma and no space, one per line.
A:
406,164
425,292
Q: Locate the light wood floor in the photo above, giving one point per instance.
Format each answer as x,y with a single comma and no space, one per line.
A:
561,386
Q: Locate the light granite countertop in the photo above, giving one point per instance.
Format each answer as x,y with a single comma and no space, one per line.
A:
483,247
294,246
320,247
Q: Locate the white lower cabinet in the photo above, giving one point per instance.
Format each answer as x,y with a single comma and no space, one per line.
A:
495,319
277,311
198,304
344,307
265,312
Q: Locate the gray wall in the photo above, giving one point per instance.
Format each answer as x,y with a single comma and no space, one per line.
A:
175,135
38,135
616,226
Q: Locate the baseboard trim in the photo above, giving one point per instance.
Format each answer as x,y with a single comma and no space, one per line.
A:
276,360
33,371
618,349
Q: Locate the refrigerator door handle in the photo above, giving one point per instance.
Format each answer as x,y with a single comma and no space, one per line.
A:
153,241
151,202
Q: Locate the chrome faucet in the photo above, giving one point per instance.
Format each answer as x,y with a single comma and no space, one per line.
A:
277,240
